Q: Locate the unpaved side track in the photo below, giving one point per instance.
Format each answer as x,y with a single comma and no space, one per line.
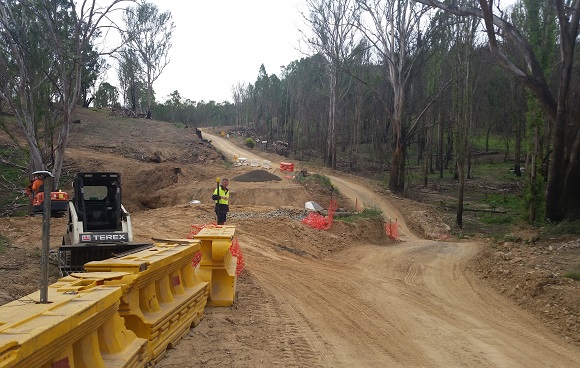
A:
412,304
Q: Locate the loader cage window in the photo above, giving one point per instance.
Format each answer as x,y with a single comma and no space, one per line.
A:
102,209
95,193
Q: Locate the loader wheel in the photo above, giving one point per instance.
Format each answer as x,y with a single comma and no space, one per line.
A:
66,239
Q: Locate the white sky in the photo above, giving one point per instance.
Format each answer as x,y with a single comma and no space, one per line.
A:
217,44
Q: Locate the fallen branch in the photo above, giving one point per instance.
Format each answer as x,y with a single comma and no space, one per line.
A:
490,210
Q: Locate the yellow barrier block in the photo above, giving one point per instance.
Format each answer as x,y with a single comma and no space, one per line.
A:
162,297
75,329
217,265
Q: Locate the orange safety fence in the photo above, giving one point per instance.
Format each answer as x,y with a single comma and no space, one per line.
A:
317,221
195,229
358,206
236,251
196,259
392,229
286,166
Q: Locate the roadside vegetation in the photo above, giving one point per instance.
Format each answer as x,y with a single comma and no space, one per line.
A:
367,213
4,243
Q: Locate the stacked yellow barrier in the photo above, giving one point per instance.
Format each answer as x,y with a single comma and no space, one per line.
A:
80,327
217,265
162,298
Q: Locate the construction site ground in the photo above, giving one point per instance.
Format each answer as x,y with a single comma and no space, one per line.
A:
345,297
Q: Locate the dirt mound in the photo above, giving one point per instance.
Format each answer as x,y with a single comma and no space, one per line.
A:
257,176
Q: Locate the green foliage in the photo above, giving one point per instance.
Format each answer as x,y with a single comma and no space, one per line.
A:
367,213
574,273
562,228
535,197
106,96
13,202
492,219
250,142
505,201
319,179
4,243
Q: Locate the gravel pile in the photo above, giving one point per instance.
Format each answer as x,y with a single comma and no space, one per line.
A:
294,214
256,176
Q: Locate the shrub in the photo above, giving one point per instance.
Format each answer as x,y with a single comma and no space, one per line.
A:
250,143
367,213
574,274
562,228
4,243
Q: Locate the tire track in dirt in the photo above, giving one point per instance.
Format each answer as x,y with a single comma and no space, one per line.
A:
410,304
322,298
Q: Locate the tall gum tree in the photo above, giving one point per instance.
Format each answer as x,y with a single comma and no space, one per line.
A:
394,31
332,24
148,32
563,194
65,30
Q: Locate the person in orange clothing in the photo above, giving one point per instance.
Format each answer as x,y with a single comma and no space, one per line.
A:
35,186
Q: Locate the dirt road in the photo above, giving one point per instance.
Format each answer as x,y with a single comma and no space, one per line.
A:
411,304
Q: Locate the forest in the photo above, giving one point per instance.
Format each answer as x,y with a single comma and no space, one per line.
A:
396,83
386,84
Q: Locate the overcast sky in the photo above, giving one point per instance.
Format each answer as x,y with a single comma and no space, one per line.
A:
217,44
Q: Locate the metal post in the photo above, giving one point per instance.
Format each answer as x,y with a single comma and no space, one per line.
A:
47,183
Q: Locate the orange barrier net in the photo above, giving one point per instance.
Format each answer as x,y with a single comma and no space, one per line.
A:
317,221
195,229
392,229
236,251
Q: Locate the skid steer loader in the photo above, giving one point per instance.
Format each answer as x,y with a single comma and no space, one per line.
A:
98,225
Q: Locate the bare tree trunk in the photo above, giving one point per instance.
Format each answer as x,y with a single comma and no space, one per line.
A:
440,145
331,139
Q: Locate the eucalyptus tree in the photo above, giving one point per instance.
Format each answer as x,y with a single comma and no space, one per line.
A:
260,99
464,87
148,33
307,103
25,62
394,27
538,24
332,24
238,97
107,95
130,78
563,194
46,44
92,69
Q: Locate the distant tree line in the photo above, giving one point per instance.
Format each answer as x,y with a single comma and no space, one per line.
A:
384,78
390,76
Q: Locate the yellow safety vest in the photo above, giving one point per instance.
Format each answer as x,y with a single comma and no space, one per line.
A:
222,193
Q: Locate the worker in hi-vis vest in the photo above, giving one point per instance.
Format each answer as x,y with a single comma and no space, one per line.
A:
221,196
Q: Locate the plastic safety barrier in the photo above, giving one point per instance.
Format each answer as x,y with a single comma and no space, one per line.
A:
80,327
392,229
218,265
162,296
286,166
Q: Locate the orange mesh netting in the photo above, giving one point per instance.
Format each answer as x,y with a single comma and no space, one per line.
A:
392,230
195,229
317,221
196,259
236,251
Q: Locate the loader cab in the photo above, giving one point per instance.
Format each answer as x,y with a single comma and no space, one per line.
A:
97,199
